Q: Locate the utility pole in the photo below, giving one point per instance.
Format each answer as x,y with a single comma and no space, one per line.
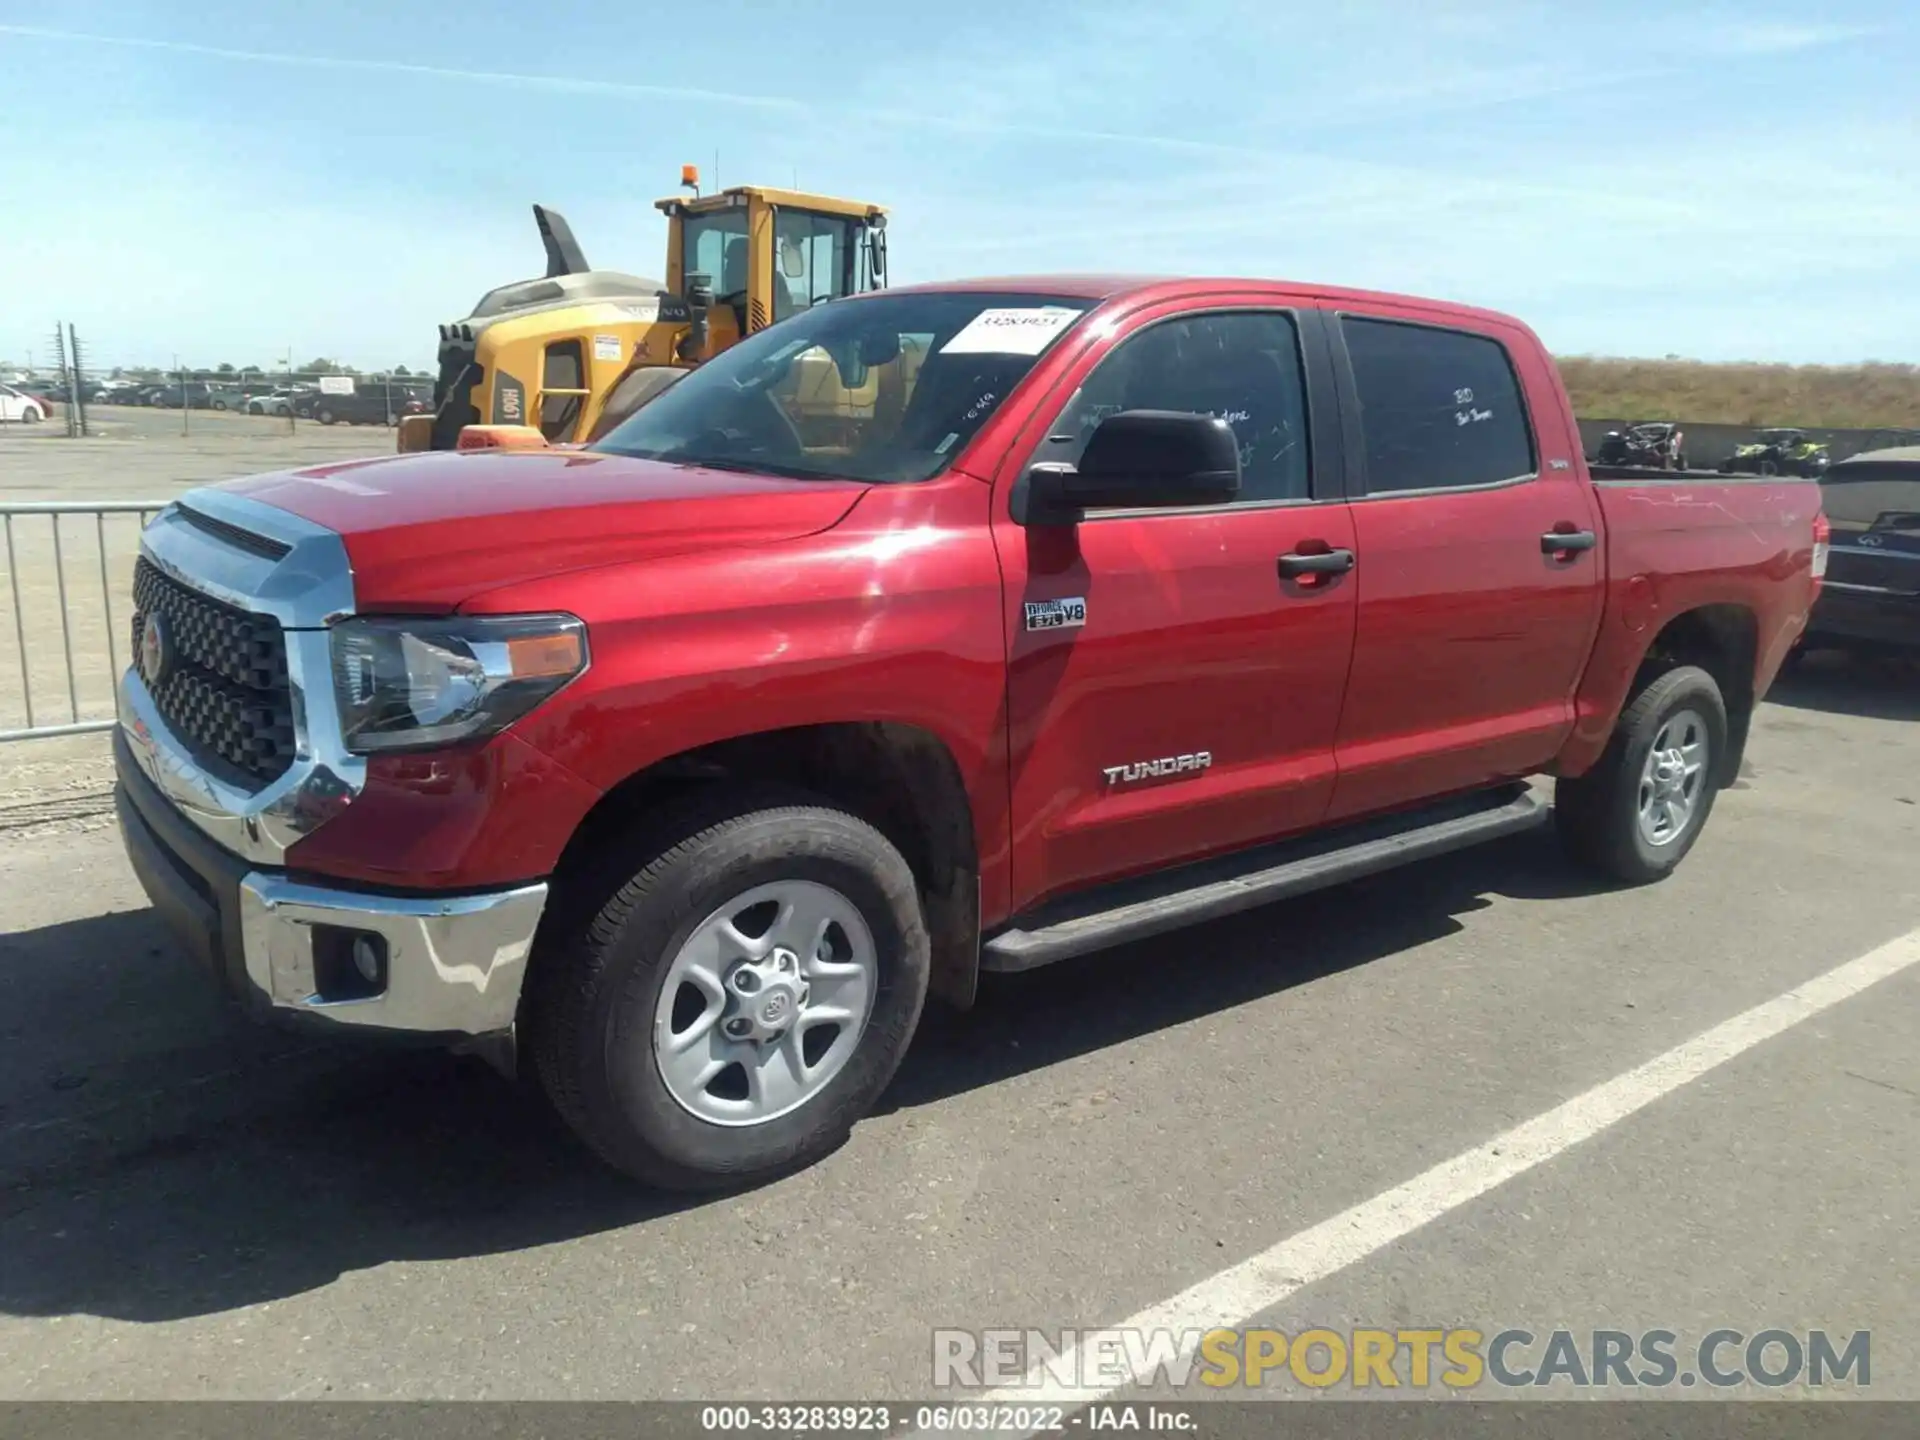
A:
77,406
180,378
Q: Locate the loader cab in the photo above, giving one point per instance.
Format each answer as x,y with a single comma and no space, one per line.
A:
555,353
766,254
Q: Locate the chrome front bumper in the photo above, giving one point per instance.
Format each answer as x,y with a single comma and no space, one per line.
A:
211,856
454,963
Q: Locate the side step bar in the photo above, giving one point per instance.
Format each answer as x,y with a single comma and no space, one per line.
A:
1171,899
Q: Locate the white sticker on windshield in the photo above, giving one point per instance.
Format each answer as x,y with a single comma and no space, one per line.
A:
1009,331
606,347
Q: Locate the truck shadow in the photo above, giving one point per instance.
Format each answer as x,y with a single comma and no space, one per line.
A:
1872,687
158,1197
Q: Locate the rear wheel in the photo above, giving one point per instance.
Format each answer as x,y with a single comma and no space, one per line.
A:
1638,811
324,416
726,1010
1769,467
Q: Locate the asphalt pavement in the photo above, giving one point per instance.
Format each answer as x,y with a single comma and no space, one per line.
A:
191,1208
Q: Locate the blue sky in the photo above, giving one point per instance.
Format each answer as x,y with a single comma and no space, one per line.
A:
229,181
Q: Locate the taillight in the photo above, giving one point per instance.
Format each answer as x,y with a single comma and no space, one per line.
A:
1822,534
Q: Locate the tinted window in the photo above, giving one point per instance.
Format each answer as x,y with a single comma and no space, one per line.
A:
1243,368
1440,409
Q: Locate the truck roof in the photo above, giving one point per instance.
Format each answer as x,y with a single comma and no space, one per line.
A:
1097,286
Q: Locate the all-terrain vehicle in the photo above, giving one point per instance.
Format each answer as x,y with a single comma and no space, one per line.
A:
1779,452
1652,445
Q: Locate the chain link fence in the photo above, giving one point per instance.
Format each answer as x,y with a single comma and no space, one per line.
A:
66,386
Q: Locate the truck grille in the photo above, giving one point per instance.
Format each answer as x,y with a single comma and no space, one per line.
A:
223,688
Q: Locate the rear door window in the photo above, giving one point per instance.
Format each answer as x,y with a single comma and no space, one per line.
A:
1441,409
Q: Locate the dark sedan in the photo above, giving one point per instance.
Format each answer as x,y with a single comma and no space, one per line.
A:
1871,598
369,404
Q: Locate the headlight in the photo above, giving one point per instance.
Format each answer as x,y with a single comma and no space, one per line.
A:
407,684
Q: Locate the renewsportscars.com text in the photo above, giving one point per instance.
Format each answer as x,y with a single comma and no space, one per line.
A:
1455,1358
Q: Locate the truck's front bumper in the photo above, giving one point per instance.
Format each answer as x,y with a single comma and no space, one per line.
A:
451,965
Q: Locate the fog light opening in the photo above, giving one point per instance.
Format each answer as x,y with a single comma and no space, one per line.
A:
348,964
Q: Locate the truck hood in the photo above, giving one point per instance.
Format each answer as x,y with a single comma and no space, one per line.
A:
426,531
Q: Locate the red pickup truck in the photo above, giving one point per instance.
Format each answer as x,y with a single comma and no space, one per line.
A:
688,764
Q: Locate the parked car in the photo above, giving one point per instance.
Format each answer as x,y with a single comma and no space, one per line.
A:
1871,598
1150,602
17,407
227,397
1653,445
369,404
277,401
194,394
1778,452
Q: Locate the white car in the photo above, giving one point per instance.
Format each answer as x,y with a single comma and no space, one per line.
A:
19,409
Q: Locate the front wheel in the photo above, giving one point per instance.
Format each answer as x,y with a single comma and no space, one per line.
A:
1638,811
726,1010
30,415
324,416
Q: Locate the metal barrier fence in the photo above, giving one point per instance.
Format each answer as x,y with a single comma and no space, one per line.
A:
40,562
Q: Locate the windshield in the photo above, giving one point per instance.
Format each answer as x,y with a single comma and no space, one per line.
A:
716,246
886,389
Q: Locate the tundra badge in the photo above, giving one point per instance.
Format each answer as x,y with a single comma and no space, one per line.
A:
1057,614
1171,765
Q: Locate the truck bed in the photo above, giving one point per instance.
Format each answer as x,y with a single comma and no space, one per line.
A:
1678,541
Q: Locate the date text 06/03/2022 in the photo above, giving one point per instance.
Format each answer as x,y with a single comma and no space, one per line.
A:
967,1417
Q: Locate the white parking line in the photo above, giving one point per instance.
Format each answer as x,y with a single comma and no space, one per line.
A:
1242,1291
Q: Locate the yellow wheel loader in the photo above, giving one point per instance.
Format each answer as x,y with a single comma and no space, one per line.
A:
560,359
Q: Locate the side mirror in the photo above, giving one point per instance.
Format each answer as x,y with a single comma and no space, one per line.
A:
1139,459
880,347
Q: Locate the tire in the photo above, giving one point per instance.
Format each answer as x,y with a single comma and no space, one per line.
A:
324,416
1769,467
1599,814
599,992
30,415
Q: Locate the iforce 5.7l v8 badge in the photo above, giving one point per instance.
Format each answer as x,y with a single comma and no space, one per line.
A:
1057,614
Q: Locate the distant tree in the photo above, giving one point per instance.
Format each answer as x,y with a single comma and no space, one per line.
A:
223,369
401,371
322,366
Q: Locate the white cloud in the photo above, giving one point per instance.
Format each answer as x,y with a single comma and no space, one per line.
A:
1781,37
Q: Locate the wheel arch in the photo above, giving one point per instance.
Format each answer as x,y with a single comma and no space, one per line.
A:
1723,640
902,779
